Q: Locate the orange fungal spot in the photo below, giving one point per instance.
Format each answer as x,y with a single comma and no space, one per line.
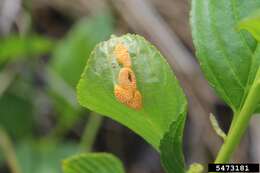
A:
122,55
123,95
136,102
126,91
126,78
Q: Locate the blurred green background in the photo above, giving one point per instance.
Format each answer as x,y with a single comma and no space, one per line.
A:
39,73
44,46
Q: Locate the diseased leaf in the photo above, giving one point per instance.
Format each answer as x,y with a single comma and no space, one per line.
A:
93,163
252,24
228,58
162,98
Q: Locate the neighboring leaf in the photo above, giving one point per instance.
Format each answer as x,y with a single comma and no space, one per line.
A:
252,24
43,157
228,58
93,163
69,58
163,98
171,147
16,105
16,115
17,47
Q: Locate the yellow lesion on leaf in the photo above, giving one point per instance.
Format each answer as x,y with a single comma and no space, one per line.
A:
131,98
127,79
136,101
122,55
126,90
123,95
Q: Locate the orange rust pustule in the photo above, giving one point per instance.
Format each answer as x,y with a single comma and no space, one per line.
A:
122,55
131,98
136,102
127,79
126,91
123,95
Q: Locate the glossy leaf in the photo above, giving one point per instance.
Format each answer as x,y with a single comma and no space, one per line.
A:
163,99
162,117
252,24
17,47
228,58
93,163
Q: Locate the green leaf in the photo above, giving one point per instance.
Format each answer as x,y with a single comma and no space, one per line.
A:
228,58
163,98
171,147
70,56
13,111
18,47
162,117
252,24
43,157
93,163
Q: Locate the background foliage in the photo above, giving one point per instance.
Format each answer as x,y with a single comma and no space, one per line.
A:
44,47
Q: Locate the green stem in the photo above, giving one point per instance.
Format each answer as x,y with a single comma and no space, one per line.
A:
9,152
241,122
90,131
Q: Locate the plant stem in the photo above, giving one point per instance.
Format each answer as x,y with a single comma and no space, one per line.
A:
9,152
90,131
241,122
